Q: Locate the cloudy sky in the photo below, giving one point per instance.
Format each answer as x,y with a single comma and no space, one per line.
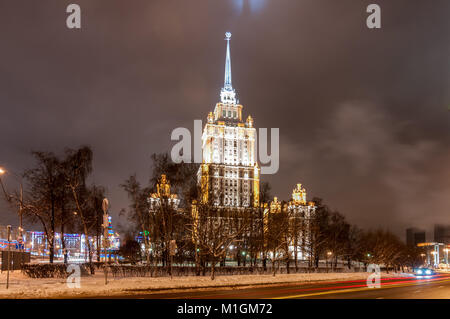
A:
363,114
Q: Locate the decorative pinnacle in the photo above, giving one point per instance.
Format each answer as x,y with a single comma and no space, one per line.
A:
227,85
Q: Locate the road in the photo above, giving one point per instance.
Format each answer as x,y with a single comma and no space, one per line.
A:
435,287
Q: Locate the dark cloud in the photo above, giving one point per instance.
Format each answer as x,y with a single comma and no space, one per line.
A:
363,114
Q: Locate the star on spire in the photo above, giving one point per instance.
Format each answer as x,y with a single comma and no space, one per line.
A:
227,94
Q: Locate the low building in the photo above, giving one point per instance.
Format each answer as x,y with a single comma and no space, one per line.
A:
36,243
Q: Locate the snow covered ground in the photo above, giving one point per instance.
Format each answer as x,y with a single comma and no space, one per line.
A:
20,286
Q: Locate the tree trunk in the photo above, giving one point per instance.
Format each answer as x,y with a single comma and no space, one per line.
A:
288,262
238,257
63,244
51,249
264,262
197,262
203,267
213,268
84,228
52,222
98,239
63,241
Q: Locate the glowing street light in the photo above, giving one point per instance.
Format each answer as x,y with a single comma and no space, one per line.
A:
19,180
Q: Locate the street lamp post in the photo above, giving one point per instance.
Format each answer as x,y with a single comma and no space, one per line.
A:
9,255
19,180
105,205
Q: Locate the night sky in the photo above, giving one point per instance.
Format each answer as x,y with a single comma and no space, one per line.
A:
363,114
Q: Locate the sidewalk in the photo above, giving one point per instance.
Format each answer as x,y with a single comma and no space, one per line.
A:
21,286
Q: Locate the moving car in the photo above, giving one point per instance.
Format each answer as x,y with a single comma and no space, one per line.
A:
425,272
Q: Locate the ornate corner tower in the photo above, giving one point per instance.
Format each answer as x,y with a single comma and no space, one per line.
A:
163,193
229,175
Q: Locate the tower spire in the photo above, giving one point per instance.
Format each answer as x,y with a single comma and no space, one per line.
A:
227,94
227,85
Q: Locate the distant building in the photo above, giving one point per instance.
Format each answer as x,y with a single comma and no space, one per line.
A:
300,213
442,234
35,242
414,236
229,175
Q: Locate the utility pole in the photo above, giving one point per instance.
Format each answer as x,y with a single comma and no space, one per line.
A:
105,205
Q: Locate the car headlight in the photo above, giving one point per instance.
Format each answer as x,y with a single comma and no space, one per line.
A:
428,272
419,272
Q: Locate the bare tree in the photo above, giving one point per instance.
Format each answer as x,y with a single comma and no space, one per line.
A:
214,229
45,189
139,210
78,165
277,237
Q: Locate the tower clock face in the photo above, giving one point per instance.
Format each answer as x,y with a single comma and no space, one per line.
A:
177,138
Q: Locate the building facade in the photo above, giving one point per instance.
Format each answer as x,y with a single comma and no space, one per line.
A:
163,193
442,234
299,213
36,243
229,174
414,236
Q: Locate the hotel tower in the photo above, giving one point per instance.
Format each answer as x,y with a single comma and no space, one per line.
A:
229,174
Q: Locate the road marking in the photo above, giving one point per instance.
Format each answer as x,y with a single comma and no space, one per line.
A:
357,289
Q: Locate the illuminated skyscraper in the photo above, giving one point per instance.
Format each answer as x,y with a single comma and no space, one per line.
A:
229,174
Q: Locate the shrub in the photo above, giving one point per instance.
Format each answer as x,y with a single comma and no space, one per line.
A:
51,270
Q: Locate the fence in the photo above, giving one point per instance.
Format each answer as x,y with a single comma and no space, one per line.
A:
16,260
125,271
118,271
